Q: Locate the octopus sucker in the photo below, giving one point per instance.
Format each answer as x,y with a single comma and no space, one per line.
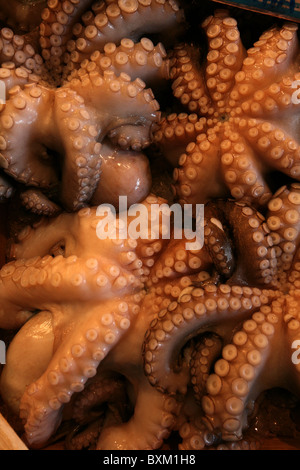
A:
119,19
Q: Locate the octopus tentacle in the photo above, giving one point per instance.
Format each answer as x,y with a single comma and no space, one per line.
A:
96,89
220,216
175,132
42,402
240,373
56,30
197,163
46,272
177,261
87,438
284,206
195,436
102,389
38,203
225,55
281,96
121,19
81,165
276,147
139,60
203,356
200,309
188,81
22,110
240,169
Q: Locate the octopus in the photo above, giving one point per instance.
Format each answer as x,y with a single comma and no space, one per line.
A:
83,308
239,125
66,113
247,333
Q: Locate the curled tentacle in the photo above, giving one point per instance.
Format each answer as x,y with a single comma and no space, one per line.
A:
38,203
21,114
58,19
122,19
231,227
101,97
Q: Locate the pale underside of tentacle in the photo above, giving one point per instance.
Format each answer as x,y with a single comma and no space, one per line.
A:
141,60
58,19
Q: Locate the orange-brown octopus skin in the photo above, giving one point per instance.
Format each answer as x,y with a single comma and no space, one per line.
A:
95,299
242,113
261,353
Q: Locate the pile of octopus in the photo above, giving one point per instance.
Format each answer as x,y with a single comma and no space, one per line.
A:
156,341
